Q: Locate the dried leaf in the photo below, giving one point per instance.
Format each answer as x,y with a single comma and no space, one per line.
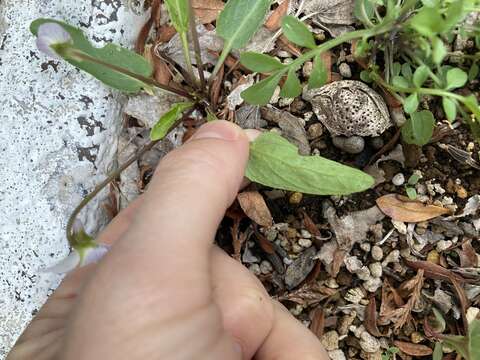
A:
371,318
300,268
413,349
434,271
254,206
207,10
310,225
326,58
408,211
317,326
468,256
331,11
273,22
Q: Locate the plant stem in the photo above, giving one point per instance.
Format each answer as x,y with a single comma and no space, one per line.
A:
149,81
196,46
188,58
219,63
112,176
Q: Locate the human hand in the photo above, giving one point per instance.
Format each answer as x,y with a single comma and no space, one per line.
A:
165,291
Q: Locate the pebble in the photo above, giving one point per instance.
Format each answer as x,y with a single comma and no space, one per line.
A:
275,96
421,189
393,257
376,269
354,295
377,253
305,243
472,313
336,355
368,343
295,198
330,340
305,234
291,233
297,310
284,102
297,249
307,69
351,145
266,267
398,179
255,269
345,322
315,131
433,257
416,337
372,284
377,142
271,234
443,245
398,116
345,70
365,246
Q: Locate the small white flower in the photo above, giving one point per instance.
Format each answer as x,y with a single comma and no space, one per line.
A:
51,34
78,259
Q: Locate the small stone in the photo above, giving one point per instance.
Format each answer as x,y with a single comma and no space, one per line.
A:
416,337
433,257
307,69
351,145
443,245
295,198
472,313
345,70
266,267
330,340
336,355
372,284
315,131
354,295
365,246
305,243
271,234
291,233
297,249
368,343
377,253
332,283
398,179
376,269
461,192
305,234
275,96
297,310
284,102
393,257
255,269
398,116
377,142
345,322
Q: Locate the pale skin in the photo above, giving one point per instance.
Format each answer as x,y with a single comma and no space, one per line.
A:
165,291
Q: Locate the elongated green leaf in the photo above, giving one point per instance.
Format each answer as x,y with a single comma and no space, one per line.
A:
418,129
411,103
297,32
275,162
364,11
456,78
439,50
428,21
240,20
450,108
474,335
455,14
260,62
178,11
319,74
473,72
160,129
420,75
262,92
111,53
437,352
292,87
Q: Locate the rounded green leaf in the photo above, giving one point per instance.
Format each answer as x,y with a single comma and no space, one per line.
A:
319,74
407,71
261,92
450,108
456,78
411,193
275,162
428,21
292,87
420,75
418,129
473,72
411,103
439,50
400,81
297,32
260,62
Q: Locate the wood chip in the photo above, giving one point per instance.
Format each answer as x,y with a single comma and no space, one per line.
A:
413,349
400,209
207,10
274,21
254,206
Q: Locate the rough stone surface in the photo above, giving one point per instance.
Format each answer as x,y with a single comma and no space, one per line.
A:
58,137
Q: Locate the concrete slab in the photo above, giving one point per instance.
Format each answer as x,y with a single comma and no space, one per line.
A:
58,137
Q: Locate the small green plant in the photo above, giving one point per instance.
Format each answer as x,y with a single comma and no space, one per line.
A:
389,354
410,186
273,161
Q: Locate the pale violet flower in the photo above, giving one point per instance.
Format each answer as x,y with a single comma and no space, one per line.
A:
50,34
78,259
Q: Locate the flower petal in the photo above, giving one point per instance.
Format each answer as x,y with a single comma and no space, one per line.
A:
64,266
94,254
51,34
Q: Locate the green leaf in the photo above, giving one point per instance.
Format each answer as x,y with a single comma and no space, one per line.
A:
437,351
440,320
110,53
364,11
261,92
276,163
474,337
411,193
400,81
319,74
292,87
240,20
163,125
455,14
420,75
396,69
473,72
260,62
407,71
365,76
413,180
178,11
428,21
439,50
411,103
418,129
456,78
297,32
450,108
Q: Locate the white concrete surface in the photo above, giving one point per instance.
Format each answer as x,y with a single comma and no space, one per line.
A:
58,136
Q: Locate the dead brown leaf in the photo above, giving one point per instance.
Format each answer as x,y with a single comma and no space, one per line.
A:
309,224
317,326
326,58
161,71
165,34
207,10
413,349
273,22
400,209
468,256
434,271
371,318
254,206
